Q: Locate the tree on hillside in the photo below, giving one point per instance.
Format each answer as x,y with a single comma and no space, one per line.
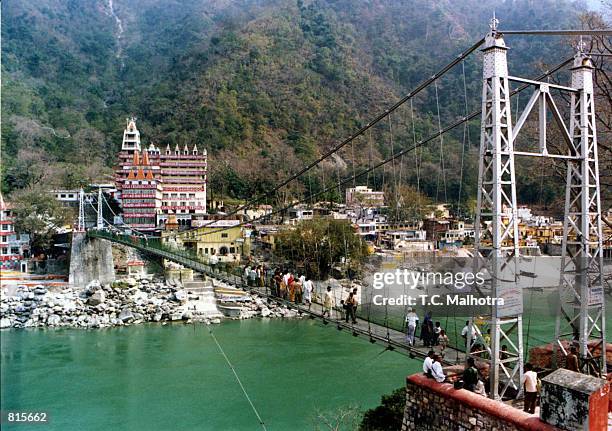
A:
405,203
317,245
38,214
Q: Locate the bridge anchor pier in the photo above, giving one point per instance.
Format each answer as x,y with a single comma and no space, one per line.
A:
90,259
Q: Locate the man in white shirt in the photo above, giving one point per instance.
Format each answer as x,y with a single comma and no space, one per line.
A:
328,302
427,363
412,321
530,384
436,370
465,330
308,288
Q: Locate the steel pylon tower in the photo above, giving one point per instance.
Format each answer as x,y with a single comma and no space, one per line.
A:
100,219
581,311
81,219
496,227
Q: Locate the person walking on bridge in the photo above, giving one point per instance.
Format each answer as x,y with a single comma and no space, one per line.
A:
350,306
328,302
308,288
247,273
443,341
277,280
412,322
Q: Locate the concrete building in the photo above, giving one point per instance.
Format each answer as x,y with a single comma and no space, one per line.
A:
407,240
299,213
180,173
258,212
364,196
14,246
224,239
67,197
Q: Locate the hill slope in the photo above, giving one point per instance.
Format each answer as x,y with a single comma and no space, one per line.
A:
265,85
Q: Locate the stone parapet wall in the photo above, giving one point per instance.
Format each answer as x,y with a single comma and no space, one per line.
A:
432,406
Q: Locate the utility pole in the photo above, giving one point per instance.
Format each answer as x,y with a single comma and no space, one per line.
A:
496,227
581,311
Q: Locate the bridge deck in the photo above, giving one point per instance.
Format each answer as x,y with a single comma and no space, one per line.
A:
375,332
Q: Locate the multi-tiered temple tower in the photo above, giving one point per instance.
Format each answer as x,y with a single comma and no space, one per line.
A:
180,174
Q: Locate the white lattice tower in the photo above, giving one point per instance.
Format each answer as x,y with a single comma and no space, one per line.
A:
100,219
81,219
581,314
496,226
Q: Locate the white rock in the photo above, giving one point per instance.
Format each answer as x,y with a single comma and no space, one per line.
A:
265,312
180,295
93,285
5,322
140,297
53,320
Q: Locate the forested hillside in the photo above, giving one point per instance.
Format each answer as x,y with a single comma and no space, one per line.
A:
264,85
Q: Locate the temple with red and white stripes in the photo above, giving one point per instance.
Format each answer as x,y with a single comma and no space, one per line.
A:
153,183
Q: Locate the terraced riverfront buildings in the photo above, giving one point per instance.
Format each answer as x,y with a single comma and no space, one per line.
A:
173,182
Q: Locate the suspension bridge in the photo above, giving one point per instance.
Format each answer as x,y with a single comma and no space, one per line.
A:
581,310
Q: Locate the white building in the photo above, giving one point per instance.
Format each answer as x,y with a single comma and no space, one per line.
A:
364,196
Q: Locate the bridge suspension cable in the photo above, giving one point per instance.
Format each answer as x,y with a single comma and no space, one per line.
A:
559,32
423,85
409,96
384,162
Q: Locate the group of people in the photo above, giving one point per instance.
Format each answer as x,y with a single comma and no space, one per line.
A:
432,333
432,367
294,289
300,290
254,276
470,378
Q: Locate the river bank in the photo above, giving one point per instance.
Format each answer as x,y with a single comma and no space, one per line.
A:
124,302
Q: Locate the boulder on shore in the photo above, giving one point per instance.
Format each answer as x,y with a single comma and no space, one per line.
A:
126,315
97,298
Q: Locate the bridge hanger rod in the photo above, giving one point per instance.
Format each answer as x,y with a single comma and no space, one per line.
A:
361,130
559,32
422,142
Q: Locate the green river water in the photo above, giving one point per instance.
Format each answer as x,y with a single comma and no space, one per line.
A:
173,377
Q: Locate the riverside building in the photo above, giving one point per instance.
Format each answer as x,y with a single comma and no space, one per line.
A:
14,247
179,174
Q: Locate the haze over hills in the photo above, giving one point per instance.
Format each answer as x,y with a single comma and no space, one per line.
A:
264,85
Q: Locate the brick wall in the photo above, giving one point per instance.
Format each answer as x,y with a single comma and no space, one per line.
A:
432,406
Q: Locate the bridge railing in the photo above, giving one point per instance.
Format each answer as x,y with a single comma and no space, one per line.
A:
234,275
